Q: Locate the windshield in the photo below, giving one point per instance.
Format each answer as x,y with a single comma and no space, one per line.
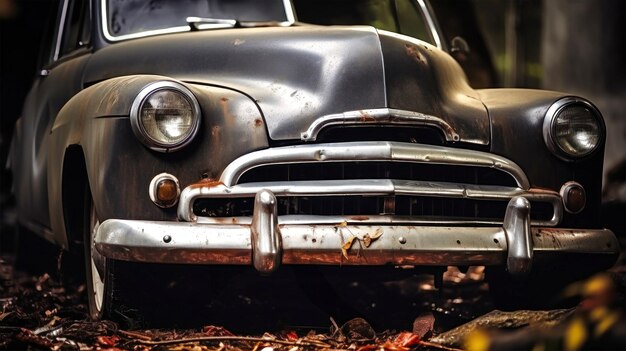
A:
399,16
131,18
125,19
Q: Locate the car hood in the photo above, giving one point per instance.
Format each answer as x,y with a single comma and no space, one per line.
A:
299,74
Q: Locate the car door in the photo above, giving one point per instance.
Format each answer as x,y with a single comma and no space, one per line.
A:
59,79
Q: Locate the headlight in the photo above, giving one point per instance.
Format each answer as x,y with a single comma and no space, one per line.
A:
573,128
165,116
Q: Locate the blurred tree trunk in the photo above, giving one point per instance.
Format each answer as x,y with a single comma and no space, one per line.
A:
584,52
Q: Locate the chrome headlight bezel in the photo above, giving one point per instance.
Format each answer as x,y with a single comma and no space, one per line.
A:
549,126
138,127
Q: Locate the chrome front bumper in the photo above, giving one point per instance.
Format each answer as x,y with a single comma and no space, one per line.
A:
267,241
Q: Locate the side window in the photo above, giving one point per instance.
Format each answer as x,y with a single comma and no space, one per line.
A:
48,42
76,30
410,20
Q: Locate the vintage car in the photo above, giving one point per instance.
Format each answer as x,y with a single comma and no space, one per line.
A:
235,133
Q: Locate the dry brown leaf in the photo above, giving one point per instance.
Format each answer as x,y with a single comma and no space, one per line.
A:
347,246
368,240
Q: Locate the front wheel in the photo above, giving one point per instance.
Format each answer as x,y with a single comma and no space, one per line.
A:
99,270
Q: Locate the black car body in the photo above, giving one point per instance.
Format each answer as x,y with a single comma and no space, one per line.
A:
249,138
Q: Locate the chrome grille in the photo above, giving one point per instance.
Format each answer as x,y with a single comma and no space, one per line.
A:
415,182
378,170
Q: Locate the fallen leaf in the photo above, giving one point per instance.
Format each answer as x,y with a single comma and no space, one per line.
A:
575,335
108,340
342,224
368,240
478,340
347,246
369,347
423,325
389,346
212,330
291,336
606,323
406,339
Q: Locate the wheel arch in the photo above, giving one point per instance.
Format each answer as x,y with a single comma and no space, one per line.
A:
74,185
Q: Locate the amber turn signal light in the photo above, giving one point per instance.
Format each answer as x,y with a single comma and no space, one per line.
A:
164,190
574,197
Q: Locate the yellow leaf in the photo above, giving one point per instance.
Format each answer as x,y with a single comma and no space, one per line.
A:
597,284
575,335
478,340
347,246
606,323
342,224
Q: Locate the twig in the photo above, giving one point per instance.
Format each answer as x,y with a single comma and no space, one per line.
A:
438,346
135,335
235,338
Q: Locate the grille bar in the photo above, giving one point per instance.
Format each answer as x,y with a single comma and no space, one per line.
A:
371,151
368,188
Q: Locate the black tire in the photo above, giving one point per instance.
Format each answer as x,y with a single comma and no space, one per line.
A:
98,270
139,295
110,293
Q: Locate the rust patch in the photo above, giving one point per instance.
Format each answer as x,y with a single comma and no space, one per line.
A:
365,117
225,220
210,182
228,117
258,122
359,218
414,53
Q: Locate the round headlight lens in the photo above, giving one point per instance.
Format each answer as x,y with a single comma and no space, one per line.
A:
165,116
573,128
577,131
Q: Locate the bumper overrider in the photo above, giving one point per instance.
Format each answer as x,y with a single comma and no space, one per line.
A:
266,239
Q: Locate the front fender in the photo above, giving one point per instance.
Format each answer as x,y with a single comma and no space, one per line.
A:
517,117
119,167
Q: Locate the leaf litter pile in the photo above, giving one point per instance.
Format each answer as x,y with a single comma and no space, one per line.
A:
38,313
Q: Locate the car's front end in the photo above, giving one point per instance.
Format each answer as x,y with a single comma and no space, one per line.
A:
385,158
311,145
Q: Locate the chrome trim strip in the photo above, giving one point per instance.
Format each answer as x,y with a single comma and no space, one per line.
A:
194,243
61,29
355,220
431,23
370,151
366,187
178,29
379,116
